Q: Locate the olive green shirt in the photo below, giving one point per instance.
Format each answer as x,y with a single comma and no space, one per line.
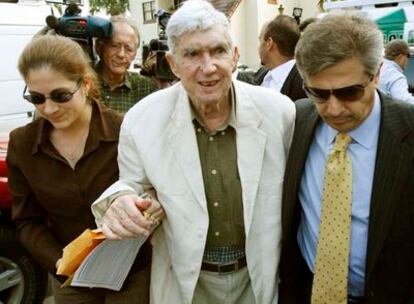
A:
122,98
218,157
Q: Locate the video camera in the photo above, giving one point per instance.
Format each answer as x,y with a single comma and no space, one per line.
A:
80,28
153,54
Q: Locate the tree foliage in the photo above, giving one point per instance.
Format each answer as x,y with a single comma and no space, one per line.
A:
113,7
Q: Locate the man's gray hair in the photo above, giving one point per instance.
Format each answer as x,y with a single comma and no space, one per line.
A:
396,47
130,22
121,19
337,37
195,15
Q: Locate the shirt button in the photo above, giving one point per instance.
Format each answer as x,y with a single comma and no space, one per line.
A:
211,138
199,130
215,204
214,171
223,133
217,233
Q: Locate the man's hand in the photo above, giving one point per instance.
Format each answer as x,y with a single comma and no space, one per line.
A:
125,218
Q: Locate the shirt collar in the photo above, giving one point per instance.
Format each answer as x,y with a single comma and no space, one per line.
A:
280,72
100,129
231,121
41,133
366,133
127,80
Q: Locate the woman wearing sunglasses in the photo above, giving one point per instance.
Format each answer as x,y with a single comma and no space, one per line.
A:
60,163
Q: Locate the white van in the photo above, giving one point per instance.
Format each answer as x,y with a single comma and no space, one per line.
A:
21,279
19,21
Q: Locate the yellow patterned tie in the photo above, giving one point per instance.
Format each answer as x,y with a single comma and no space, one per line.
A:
330,282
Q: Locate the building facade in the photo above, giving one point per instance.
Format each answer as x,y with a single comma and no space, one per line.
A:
246,17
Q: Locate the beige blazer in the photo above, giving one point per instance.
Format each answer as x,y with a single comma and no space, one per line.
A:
158,148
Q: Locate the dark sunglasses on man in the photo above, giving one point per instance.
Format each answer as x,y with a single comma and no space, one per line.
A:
346,94
59,95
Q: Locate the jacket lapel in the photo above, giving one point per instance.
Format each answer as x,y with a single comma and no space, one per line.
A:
260,75
391,171
286,87
183,142
307,119
251,143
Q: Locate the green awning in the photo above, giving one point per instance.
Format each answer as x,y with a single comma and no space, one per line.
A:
394,17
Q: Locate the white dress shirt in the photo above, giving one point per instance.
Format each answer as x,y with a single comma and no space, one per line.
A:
393,81
276,77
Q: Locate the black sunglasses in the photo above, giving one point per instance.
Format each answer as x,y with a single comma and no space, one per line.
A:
58,95
346,94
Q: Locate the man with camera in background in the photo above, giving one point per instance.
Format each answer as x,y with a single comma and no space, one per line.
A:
121,89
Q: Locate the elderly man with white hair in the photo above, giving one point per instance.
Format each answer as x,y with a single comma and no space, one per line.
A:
215,151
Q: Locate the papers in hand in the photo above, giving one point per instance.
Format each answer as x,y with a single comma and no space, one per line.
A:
76,251
108,265
92,261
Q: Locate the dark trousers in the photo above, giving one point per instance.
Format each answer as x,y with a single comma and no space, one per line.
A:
302,290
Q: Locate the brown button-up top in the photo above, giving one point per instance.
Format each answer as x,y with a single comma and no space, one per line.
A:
51,201
218,158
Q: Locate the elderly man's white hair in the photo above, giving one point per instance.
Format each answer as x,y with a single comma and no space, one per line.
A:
195,15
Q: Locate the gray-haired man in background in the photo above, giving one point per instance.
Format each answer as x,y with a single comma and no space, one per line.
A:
121,89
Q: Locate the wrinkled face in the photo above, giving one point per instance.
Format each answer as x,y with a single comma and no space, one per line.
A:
204,61
60,115
119,52
344,115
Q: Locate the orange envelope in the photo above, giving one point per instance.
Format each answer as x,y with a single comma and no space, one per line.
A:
78,249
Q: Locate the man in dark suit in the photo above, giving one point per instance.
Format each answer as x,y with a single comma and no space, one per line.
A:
339,57
277,42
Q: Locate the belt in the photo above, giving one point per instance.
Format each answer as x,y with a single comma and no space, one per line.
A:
228,267
356,300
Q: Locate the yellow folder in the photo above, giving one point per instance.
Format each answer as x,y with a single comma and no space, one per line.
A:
76,251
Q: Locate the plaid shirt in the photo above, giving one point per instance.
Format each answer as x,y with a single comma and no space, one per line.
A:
134,88
224,254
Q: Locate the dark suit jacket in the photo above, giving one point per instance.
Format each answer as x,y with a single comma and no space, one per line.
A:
389,276
292,87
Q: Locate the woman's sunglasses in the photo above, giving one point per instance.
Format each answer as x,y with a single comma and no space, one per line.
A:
58,95
347,94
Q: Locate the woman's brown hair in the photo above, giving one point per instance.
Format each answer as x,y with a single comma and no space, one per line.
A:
62,55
